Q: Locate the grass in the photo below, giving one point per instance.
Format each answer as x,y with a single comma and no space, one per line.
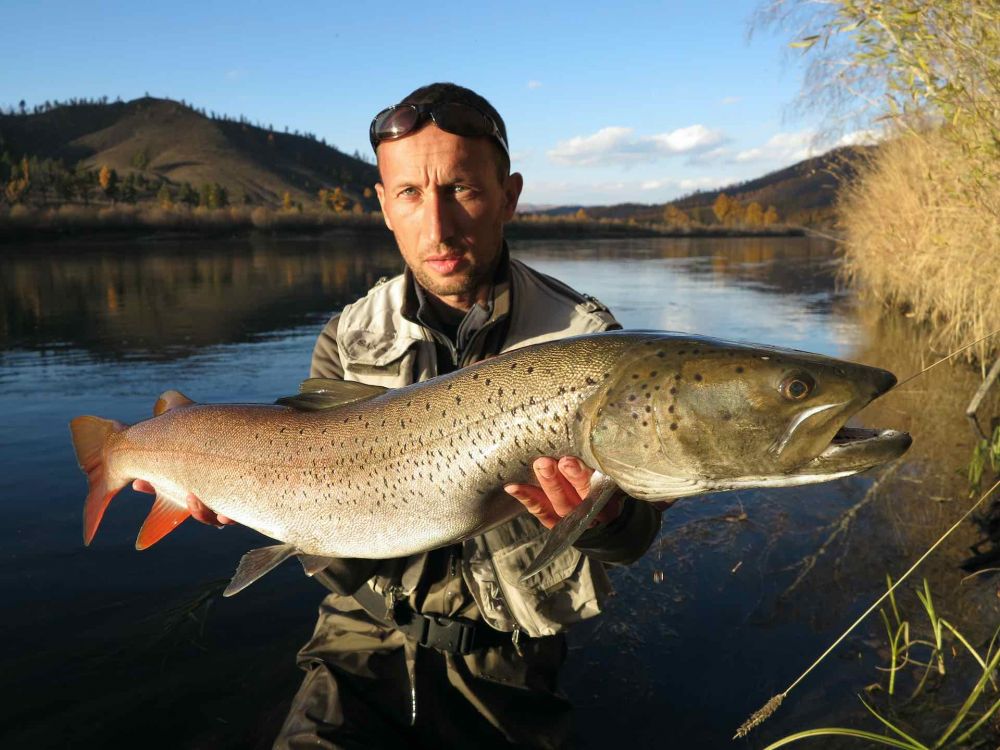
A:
922,231
926,661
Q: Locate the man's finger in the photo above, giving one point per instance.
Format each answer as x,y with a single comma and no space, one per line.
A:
577,473
562,496
141,485
201,512
535,502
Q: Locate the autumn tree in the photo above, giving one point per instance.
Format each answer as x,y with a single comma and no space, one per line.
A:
754,215
165,196
17,186
286,201
721,208
108,180
770,216
581,215
187,195
675,217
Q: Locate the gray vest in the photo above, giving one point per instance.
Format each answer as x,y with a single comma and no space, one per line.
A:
378,346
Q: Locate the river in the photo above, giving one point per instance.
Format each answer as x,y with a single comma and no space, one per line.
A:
106,646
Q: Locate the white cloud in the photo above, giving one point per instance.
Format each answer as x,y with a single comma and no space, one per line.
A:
620,144
727,100
534,84
783,147
562,192
859,138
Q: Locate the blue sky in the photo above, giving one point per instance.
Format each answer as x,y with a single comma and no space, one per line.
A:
604,103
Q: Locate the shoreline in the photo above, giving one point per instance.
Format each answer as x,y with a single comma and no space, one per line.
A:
206,225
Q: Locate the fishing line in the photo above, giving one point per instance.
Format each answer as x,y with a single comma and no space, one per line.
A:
764,713
944,359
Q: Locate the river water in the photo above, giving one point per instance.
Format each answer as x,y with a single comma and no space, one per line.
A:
110,647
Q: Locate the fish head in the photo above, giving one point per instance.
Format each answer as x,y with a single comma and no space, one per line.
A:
696,415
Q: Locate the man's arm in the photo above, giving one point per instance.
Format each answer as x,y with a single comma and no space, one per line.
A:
326,355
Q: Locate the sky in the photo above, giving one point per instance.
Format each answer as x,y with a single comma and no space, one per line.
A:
603,102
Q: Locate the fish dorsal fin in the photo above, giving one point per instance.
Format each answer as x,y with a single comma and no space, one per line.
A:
574,523
256,564
327,393
170,400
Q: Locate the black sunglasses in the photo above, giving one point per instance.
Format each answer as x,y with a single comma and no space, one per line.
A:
452,117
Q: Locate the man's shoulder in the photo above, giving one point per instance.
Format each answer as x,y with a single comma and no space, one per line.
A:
539,297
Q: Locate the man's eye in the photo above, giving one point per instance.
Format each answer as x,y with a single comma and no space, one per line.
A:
407,192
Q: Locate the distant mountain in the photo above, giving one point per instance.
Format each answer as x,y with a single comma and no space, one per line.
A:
802,194
165,140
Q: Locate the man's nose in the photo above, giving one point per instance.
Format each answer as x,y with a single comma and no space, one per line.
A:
438,225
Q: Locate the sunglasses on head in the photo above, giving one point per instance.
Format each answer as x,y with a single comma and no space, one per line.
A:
452,117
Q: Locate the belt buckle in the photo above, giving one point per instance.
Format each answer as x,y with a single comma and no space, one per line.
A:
447,634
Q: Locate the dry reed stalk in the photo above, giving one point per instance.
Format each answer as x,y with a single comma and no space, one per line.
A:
923,233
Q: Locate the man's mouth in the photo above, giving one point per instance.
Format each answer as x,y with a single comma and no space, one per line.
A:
444,264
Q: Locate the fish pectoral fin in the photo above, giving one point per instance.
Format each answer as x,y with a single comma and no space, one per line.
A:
164,517
327,393
170,400
256,564
313,564
573,524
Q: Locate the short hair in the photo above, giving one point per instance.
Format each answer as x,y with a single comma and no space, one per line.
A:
441,93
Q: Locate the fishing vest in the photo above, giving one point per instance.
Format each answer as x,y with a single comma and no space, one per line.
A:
379,346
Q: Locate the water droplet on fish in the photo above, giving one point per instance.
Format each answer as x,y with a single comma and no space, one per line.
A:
657,576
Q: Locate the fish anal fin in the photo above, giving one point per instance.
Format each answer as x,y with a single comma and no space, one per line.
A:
164,517
170,400
89,437
574,523
256,564
313,564
327,393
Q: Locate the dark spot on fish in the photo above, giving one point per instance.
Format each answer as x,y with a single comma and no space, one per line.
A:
652,374
475,376
697,376
671,408
635,376
726,416
673,425
673,391
677,376
739,369
661,354
682,351
450,386
632,397
531,370
649,409
458,399
645,423
513,365
591,381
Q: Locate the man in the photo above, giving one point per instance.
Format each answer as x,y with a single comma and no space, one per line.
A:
450,647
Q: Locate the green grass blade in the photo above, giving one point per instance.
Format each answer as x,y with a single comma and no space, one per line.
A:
967,734
857,734
970,701
893,728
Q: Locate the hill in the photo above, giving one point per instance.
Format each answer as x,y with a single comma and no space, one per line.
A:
802,194
151,142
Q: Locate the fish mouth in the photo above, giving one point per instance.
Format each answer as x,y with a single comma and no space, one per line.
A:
854,449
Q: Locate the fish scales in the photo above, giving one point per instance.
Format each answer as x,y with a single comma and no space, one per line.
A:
396,474
662,415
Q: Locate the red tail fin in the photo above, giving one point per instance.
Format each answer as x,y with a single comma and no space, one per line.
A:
89,436
162,519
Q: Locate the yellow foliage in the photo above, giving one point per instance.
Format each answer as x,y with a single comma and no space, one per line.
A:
754,215
770,216
721,208
104,178
286,201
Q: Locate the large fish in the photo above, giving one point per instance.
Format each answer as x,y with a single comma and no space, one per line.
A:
349,470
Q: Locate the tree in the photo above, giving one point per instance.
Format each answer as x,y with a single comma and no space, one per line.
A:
754,216
286,201
107,178
165,196
140,159
770,216
17,186
721,208
129,193
188,195
581,215
675,217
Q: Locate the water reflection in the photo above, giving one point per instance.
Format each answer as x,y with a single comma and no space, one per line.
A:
98,330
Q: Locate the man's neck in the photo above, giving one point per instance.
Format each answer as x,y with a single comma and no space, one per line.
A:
452,309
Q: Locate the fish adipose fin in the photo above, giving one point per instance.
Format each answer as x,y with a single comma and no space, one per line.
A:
164,517
327,393
170,400
89,436
572,525
256,564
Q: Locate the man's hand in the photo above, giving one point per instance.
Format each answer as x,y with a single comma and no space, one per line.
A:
563,485
199,511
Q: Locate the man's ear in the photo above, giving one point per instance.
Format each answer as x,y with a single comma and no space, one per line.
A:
512,191
380,192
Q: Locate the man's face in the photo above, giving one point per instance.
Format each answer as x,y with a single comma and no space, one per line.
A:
443,200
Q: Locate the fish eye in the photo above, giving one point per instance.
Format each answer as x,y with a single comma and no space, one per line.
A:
797,386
